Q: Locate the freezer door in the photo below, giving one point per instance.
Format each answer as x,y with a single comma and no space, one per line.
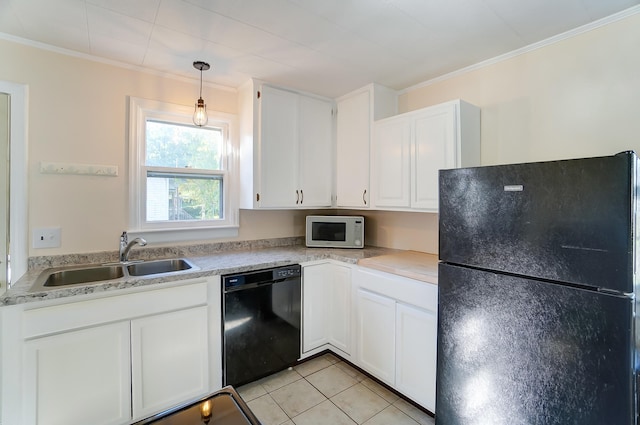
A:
514,351
566,220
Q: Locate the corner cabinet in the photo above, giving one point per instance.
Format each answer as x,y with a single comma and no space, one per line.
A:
356,112
286,148
88,362
409,149
327,301
396,332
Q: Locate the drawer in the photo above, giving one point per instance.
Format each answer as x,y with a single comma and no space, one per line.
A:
408,291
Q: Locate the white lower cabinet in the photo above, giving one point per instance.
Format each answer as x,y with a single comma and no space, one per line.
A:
326,308
79,377
169,359
113,360
397,332
416,334
376,335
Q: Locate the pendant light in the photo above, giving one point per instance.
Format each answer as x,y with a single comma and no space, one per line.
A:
200,117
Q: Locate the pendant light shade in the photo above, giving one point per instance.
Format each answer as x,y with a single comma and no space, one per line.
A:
200,117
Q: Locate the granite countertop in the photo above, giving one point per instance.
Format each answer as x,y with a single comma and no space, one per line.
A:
215,263
412,264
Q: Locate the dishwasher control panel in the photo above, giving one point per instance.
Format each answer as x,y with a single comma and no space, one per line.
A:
260,277
285,272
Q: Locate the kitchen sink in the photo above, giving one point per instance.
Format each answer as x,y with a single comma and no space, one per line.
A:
75,275
84,275
156,267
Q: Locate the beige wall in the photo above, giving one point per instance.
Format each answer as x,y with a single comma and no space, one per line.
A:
574,98
78,114
577,97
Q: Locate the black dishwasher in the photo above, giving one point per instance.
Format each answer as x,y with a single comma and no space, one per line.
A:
261,323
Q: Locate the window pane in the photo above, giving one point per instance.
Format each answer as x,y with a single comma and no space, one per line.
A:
183,198
183,146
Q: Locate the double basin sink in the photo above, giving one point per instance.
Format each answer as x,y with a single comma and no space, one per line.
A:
68,276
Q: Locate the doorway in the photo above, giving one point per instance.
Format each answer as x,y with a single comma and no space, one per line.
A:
5,270
14,227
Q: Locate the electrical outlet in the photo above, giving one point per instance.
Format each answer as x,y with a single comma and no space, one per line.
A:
46,237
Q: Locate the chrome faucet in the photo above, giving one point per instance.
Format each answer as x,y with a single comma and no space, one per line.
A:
125,246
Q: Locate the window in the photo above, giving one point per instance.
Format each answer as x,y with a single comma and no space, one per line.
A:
182,180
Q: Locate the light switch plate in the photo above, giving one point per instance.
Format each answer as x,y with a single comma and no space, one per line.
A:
46,237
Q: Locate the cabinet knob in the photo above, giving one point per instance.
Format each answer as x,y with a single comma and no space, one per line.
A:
301,196
363,196
297,197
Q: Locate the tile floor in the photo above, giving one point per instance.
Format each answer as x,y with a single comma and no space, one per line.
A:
326,390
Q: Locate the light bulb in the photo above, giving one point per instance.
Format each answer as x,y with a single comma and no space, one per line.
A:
200,117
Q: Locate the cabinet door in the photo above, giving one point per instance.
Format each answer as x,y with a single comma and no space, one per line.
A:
416,334
340,308
391,161
315,304
316,153
434,148
353,128
79,377
376,335
278,149
169,358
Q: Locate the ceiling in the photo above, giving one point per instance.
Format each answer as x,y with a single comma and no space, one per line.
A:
328,47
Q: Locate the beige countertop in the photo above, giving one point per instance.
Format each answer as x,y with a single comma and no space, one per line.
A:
412,264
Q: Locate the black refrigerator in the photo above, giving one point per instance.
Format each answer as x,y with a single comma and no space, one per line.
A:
537,292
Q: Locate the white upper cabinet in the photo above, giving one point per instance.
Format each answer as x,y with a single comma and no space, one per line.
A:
285,148
356,112
409,149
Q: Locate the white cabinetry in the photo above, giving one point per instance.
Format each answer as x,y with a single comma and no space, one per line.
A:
396,332
285,149
169,358
355,116
409,149
113,359
375,326
416,335
79,377
326,308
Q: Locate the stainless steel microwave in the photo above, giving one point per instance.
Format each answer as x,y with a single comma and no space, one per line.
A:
335,231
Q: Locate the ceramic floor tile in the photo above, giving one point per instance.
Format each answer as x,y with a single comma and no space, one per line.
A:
331,381
325,413
360,403
390,396
391,416
297,397
349,370
279,380
267,410
312,366
333,359
251,391
416,414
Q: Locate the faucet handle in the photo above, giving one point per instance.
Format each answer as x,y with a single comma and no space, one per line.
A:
123,237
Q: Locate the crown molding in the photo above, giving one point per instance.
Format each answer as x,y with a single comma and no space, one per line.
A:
112,62
535,46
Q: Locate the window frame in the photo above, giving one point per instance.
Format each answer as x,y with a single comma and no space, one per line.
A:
143,110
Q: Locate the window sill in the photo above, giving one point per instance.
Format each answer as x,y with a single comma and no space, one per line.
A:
185,234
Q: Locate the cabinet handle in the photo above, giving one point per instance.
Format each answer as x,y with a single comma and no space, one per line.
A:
301,196
363,196
297,197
